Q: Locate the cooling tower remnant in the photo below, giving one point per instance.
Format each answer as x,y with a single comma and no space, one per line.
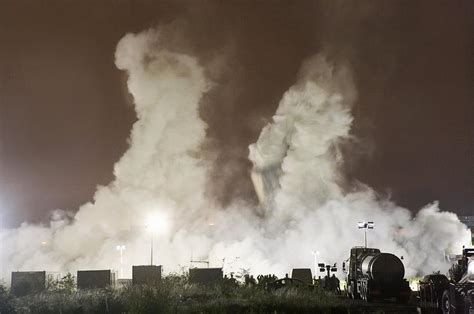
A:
265,182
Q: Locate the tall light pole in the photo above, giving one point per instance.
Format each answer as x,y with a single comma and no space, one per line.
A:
365,225
121,248
156,222
316,255
151,250
152,234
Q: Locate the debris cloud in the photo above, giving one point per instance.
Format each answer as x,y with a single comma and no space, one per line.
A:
297,174
306,202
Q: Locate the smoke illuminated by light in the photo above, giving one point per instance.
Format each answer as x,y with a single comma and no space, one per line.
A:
297,173
157,223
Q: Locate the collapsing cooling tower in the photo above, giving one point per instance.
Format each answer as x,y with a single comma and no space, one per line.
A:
266,182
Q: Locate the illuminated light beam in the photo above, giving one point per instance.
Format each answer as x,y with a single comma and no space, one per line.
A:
157,222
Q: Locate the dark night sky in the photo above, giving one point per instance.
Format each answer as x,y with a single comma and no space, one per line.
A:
65,119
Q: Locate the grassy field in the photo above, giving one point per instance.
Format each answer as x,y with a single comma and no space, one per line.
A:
175,295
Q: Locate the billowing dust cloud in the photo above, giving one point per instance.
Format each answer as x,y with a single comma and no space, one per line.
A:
297,164
307,204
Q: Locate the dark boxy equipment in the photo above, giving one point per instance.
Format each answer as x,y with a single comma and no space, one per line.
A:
205,276
28,282
90,279
303,274
146,274
375,275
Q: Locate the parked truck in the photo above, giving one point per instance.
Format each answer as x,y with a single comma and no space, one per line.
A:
375,275
451,294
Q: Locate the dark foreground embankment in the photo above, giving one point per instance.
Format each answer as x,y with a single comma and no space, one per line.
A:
175,295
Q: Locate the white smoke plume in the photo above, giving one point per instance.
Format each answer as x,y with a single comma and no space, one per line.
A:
160,173
297,172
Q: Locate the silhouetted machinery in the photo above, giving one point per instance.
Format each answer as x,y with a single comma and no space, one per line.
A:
329,283
453,295
375,275
431,292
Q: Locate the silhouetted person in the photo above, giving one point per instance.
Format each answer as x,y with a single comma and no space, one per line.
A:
246,280
335,283
232,279
318,282
326,282
252,281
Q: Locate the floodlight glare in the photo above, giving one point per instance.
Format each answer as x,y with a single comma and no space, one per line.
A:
157,222
121,248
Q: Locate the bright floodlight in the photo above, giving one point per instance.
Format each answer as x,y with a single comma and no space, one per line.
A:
157,222
365,225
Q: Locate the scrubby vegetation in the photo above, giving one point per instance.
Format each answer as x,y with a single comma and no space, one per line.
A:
175,295
66,284
5,300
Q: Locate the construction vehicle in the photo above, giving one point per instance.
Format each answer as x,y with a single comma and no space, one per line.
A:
374,275
451,295
431,289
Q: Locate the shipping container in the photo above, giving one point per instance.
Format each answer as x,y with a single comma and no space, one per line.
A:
92,279
205,276
146,274
28,282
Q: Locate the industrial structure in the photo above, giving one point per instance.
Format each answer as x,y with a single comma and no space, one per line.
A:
375,275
